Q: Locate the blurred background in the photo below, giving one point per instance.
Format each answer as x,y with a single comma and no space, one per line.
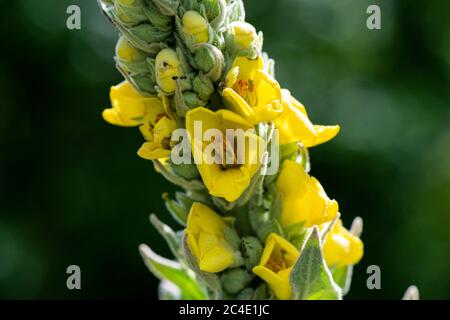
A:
73,191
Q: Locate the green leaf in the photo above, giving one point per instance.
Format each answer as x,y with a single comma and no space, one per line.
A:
310,278
172,239
211,280
170,270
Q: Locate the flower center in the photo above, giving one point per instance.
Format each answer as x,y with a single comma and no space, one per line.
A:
246,89
227,157
277,261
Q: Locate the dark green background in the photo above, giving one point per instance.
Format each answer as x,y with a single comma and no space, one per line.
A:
73,191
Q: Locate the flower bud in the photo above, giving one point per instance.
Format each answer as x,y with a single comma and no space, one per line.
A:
251,251
148,33
167,7
213,8
156,18
206,239
130,12
130,59
144,82
210,60
196,27
185,170
168,69
192,100
244,34
235,280
203,86
341,247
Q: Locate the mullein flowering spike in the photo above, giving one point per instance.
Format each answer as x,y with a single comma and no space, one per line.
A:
247,232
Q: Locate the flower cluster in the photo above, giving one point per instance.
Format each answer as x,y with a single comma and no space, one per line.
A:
248,233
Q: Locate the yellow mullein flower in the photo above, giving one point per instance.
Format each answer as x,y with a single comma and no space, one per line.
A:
341,247
277,260
244,34
252,92
223,179
205,238
295,126
302,197
168,69
196,26
157,129
129,107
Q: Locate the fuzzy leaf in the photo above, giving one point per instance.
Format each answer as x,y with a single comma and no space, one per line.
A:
166,269
172,239
310,278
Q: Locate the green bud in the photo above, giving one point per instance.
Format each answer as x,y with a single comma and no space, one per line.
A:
235,280
148,33
144,82
212,8
156,18
271,226
251,249
186,171
203,86
216,11
167,7
210,60
130,12
192,100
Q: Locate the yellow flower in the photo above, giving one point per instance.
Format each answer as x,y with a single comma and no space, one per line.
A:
157,129
196,26
341,247
206,240
277,260
302,197
251,92
168,69
226,179
295,126
129,107
244,34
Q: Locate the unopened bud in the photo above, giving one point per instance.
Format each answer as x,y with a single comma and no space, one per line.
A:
210,60
196,27
131,59
167,7
244,34
251,249
203,86
157,18
192,100
148,33
130,12
235,280
168,70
